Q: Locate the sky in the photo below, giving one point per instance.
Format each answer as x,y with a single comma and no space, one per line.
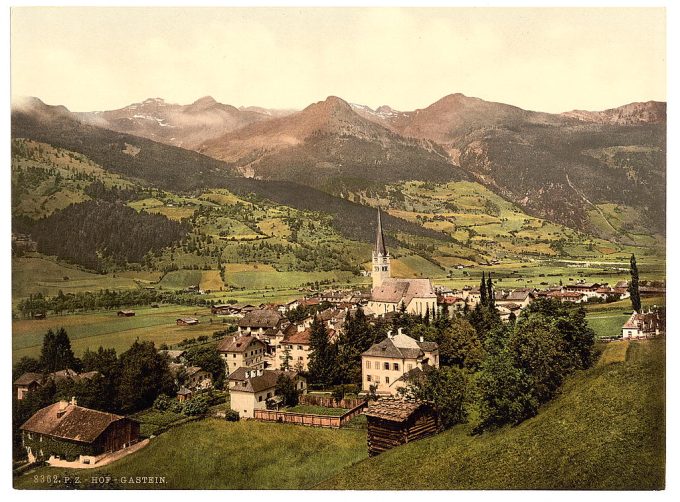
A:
548,59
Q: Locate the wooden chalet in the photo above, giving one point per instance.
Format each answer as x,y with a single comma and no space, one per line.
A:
187,321
393,422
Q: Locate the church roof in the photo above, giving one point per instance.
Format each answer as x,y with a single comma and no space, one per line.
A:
394,290
380,247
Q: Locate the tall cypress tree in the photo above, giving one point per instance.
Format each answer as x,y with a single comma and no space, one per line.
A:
490,293
634,286
482,291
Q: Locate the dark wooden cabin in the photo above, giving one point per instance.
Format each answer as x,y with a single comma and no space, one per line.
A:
393,422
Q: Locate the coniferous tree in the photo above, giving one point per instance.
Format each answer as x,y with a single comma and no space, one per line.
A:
634,286
56,352
482,291
321,358
489,293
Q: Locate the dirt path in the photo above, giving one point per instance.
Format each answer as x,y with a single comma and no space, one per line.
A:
580,194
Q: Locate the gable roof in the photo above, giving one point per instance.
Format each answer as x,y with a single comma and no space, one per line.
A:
299,337
396,290
260,318
28,379
238,343
400,346
267,380
76,424
394,410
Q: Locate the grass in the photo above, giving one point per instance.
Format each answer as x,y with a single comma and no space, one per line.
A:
105,328
153,421
316,410
215,454
605,432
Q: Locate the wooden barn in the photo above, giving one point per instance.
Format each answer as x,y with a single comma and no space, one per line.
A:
393,422
126,313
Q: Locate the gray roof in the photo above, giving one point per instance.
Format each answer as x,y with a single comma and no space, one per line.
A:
396,290
261,318
237,343
402,347
267,380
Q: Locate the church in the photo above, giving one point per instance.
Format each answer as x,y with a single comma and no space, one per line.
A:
388,294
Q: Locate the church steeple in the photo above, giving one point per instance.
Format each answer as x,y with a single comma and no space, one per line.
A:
380,238
381,258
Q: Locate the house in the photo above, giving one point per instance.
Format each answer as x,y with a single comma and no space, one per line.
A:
386,362
28,382
643,325
450,304
393,422
66,431
222,309
187,321
260,320
249,390
589,289
184,394
126,313
174,356
242,351
522,297
568,296
197,378
417,296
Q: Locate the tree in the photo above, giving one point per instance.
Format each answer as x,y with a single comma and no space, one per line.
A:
505,393
445,388
208,359
491,299
634,286
322,356
144,374
285,365
459,345
482,292
56,353
285,387
537,347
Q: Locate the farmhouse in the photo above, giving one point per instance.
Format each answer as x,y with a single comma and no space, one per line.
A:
388,294
242,351
249,390
197,378
386,362
393,422
70,432
126,313
28,382
643,325
260,320
187,321
568,296
522,297
175,356
222,309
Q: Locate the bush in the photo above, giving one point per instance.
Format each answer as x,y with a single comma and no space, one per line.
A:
196,406
231,416
163,403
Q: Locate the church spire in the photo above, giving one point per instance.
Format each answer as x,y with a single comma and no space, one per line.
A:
380,238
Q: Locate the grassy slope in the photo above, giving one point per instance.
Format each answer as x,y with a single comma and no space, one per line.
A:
606,431
212,454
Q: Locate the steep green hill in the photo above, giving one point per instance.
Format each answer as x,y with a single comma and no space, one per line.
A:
605,432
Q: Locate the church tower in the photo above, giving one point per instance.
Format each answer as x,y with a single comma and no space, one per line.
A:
381,258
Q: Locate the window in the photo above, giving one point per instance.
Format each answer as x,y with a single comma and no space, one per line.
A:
376,365
368,365
395,366
409,367
377,379
234,356
386,366
300,358
259,399
368,379
269,394
387,379
299,347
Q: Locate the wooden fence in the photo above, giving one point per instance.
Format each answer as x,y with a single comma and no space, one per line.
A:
329,402
309,419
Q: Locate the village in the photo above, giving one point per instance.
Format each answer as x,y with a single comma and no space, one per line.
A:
273,370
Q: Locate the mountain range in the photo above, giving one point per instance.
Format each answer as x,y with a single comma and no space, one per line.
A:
562,167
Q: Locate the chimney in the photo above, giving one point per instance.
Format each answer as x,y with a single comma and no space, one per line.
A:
73,401
389,333
421,339
400,331
259,372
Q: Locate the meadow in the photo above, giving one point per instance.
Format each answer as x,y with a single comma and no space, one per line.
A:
209,454
105,328
606,431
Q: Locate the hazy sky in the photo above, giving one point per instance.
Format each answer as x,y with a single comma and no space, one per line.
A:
540,59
